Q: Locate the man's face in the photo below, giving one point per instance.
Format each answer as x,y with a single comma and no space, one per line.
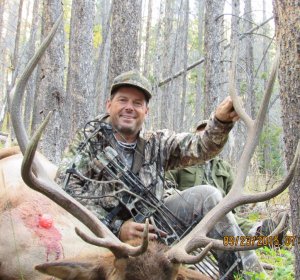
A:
127,110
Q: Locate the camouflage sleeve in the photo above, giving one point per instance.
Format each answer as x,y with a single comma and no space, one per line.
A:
187,149
171,179
89,191
230,178
72,156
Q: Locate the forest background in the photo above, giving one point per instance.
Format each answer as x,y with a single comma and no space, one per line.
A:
183,46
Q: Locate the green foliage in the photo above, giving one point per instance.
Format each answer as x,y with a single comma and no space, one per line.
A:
255,276
97,35
253,216
281,259
67,15
270,143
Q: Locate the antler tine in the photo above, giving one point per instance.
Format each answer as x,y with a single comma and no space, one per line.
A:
19,88
233,94
251,198
50,189
198,236
181,256
18,91
132,251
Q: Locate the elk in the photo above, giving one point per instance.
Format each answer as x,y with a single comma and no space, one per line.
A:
134,261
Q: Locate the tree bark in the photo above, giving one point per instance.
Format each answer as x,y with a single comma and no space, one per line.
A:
200,72
31,85
214,71
2,66
249,60
102,61
50,85
147,39
287,35
17,44
164,98
126,17
185,62
80,84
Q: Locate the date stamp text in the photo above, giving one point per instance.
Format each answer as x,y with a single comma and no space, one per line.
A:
258,240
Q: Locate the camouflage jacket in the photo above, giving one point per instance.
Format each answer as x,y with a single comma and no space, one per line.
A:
215,172
155,153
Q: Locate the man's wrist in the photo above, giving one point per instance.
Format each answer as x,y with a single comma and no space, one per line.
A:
221,124
115,226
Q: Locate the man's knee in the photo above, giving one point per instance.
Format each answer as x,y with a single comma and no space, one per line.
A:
205,191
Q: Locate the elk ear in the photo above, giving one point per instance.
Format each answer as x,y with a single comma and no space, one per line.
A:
72,270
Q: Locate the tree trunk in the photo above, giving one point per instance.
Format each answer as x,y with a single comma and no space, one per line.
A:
267,146
287,35
50,84
185,62
31,85
102,61
236,141
249,60
126,17
15,60
199,86
2,4
164,96
147,39
157,69
80,86
2,66
214,71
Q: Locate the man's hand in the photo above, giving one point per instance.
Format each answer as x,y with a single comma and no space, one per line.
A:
225,111
131,230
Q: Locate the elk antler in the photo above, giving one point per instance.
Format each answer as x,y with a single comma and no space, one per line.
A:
41,182
198,236
18,91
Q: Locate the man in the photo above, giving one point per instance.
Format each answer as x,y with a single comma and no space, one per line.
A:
147,155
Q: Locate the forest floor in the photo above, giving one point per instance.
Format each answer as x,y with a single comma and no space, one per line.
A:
280,258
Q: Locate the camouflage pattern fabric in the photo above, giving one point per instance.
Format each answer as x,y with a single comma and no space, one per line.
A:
196,202
132,78
156,152
216,172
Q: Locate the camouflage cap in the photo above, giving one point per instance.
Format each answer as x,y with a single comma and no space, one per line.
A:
201,125
132,78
